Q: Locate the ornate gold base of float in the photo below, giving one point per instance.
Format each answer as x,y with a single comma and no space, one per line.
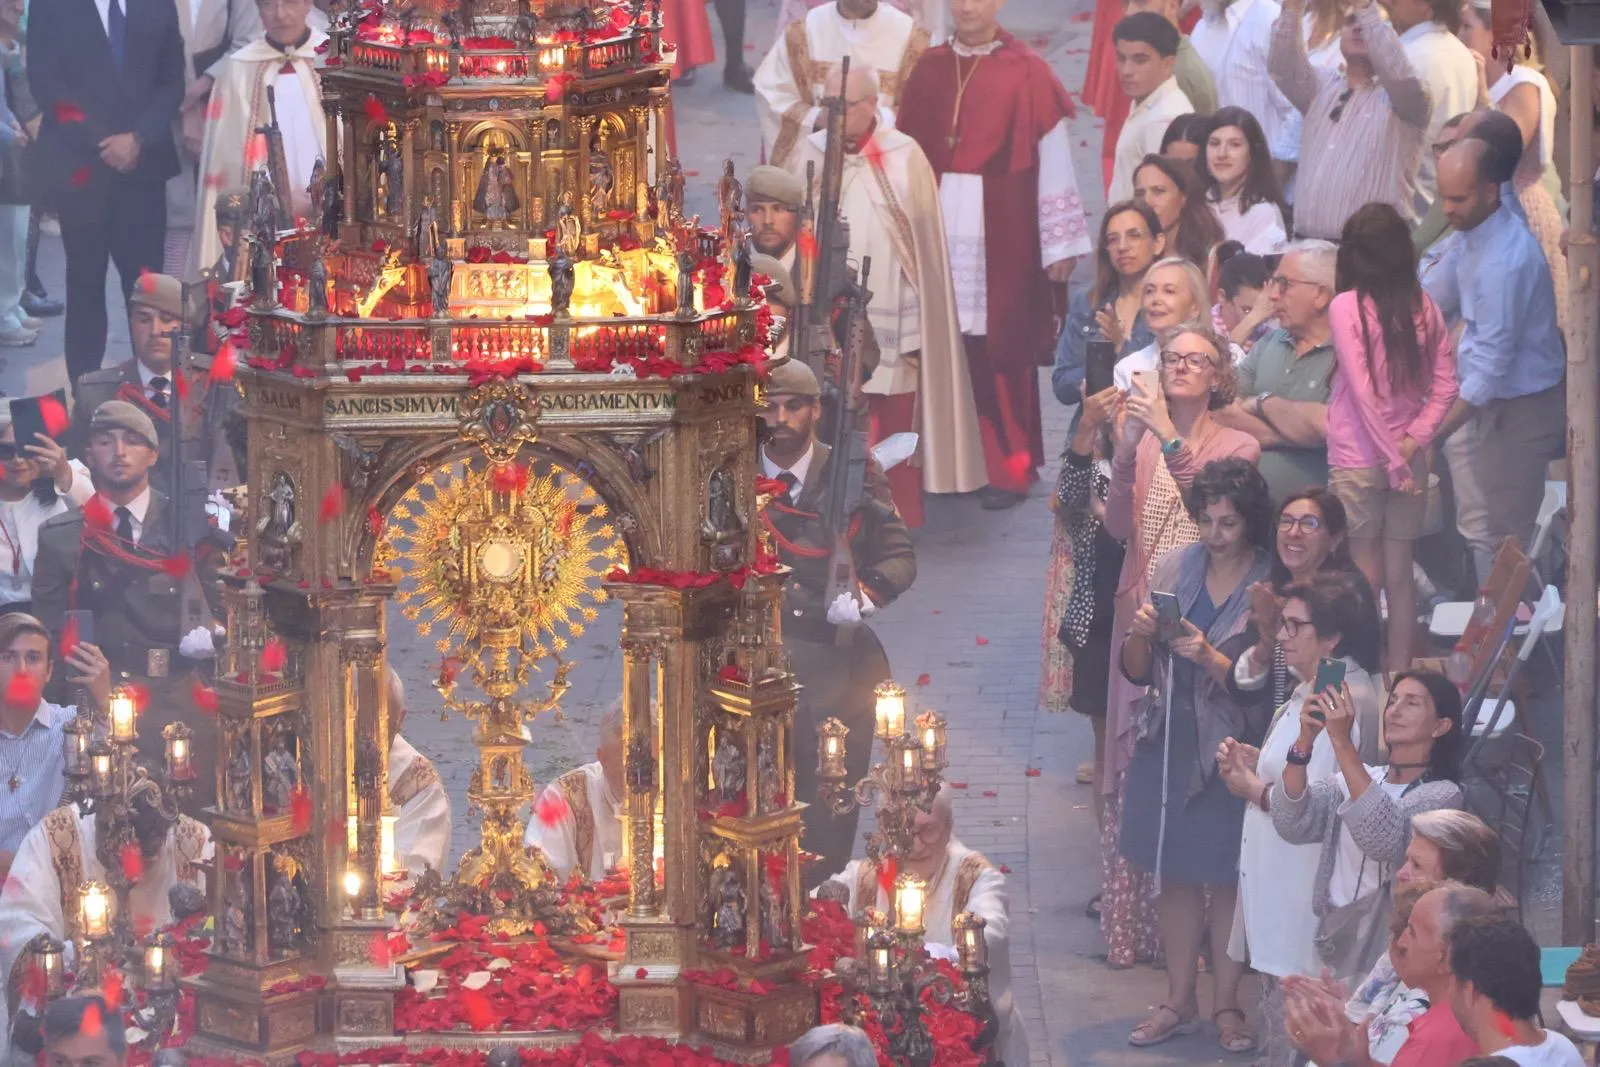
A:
232,1021
747,1026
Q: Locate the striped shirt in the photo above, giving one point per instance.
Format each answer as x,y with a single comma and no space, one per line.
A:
1362,143
1234,43
35,761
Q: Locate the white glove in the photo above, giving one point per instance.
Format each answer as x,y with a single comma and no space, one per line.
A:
847,608
197,644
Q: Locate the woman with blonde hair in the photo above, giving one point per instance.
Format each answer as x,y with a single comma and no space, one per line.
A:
1176,293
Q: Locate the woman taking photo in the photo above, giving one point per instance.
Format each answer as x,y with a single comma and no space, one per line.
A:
1178,820
1396,381
1241,185
37,482
1130,241
1362,814
1310,543
1172,189
1274,926
1167,436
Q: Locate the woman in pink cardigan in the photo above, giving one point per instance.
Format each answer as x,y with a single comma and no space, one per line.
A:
1167,435
1396,381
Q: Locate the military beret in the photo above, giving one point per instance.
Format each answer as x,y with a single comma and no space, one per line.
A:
775,183
121,415
232,207
160,291
782,287
793,378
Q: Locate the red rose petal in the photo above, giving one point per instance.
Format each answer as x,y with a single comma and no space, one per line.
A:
54,413
958,785
79,179
300,810
983,641
376,113
67,112
641,974
177,567
132,862
69,636
990,793
22,692
924,679
274,656
551,807
332,503
205,697
1033,772
222,364
887,873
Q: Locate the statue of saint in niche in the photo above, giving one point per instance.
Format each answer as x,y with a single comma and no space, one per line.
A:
496,199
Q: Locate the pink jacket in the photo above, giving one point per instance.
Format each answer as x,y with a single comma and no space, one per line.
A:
1365,422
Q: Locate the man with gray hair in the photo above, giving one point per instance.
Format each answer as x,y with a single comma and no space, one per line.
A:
958,879
833,1045
421,805
577,820
1285,381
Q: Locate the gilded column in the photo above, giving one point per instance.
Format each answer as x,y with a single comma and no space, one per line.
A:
366,694
638,731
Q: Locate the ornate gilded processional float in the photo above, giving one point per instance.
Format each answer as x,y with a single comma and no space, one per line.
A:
498,381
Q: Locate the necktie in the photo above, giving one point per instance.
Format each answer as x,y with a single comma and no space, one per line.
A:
789,482
158,391
124,523
117,32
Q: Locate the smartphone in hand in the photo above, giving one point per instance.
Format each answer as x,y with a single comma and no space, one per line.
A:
1330,676
1169,615
1100,360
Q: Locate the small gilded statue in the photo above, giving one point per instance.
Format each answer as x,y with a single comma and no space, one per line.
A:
728,767
427,230
279,530
496,199
600,183
391,178
569,228
317,285
727,927
280,776
318,182
265,206
238,776
331,205
723,528
774,915
562,281
730,198
234,938
441,269
685,285
283,914
742,269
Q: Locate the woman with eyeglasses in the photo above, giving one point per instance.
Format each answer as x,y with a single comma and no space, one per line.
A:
1395,384
1241,185
1175,295
1312,540
1172,189
37,481
1361,815
1274,927
1166,436
1131,239
1179,822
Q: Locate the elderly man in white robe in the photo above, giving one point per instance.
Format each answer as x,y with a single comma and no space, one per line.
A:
577,819
285,59
890,197
789,82
58,855
421,805
958,880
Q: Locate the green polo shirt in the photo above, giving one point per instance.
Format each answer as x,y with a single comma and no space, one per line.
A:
1273,367
1195,79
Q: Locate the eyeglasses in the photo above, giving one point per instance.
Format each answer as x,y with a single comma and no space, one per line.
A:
1290,627
1338,105
1191,360
1303,523
1279,281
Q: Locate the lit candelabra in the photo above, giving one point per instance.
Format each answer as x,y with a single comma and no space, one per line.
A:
906,782
105,781
893,969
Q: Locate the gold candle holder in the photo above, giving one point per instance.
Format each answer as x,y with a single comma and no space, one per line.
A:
95,905
890,710
123,712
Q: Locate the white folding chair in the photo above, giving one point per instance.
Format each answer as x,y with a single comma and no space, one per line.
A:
1485,717
1449,620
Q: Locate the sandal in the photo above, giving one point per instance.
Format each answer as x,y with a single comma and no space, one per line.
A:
1238,1039
1151,1032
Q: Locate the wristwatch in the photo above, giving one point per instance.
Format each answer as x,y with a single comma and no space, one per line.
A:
1297,757
1170,448
1261,398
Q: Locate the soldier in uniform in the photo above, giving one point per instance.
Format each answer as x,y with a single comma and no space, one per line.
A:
147,381
838,680
232,214
117,572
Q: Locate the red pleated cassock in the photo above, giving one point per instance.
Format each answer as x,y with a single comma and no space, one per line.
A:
1012,100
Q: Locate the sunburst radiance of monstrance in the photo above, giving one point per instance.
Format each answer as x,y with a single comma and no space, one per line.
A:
505,562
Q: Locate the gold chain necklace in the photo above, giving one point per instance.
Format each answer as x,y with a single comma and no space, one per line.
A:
961,91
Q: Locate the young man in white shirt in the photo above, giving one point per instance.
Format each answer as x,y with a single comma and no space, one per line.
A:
1427,29
1495,963
1147,53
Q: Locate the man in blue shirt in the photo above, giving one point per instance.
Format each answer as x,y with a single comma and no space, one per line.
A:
1511,360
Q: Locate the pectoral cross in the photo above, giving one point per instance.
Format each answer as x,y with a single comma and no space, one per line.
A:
14,782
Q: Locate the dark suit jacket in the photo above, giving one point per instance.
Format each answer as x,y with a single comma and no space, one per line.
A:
134,608
70,68
886,562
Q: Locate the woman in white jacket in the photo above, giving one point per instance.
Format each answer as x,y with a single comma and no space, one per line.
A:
1274,924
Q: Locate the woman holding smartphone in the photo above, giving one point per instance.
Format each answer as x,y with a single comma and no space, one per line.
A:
1274,927
1166,436
1178,820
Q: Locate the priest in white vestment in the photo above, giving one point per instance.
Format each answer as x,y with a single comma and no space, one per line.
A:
58,856
958,880
890,198
417,794
285,59
577,819
789,82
